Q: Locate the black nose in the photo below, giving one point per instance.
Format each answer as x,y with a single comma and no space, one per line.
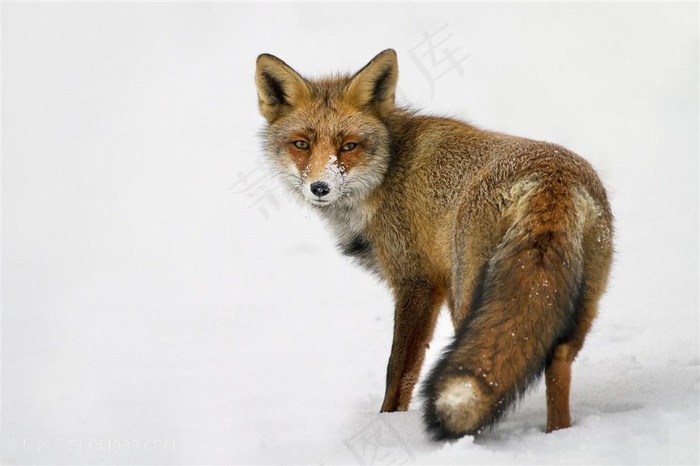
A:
320,188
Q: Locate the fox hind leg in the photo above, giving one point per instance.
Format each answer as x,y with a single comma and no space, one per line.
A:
558,382
558,371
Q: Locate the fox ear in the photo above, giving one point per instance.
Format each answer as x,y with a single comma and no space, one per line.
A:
279,87
375,84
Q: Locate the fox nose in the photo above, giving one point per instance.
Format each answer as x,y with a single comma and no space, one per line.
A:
320,188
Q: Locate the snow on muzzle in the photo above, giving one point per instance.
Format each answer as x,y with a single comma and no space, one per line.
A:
327,186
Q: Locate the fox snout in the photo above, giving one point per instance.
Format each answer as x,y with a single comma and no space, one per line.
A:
319,188
323,184
319,192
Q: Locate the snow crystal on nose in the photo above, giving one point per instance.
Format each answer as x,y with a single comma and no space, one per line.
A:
335,170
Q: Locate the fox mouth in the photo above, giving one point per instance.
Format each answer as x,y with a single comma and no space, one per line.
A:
319,202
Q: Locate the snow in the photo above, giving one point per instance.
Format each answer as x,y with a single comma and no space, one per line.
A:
334,171
165,302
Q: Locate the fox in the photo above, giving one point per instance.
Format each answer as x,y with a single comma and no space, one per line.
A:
514,236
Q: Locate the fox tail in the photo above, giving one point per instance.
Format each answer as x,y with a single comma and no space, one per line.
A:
525,303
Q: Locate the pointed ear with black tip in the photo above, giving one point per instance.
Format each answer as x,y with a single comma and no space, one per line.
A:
375,84
280,88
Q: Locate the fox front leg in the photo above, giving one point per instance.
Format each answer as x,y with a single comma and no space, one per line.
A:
417,306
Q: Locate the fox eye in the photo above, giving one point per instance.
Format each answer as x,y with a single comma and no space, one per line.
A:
348,147
303,145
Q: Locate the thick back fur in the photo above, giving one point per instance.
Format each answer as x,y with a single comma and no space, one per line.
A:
514,235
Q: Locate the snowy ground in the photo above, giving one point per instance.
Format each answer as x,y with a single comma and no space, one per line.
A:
165,303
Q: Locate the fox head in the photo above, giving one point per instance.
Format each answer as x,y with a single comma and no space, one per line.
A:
327,137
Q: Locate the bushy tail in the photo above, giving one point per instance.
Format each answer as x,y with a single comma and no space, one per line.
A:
524,304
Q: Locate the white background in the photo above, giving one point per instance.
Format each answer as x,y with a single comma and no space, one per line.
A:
165,302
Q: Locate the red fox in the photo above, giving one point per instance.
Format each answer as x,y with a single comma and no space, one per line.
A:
514,235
